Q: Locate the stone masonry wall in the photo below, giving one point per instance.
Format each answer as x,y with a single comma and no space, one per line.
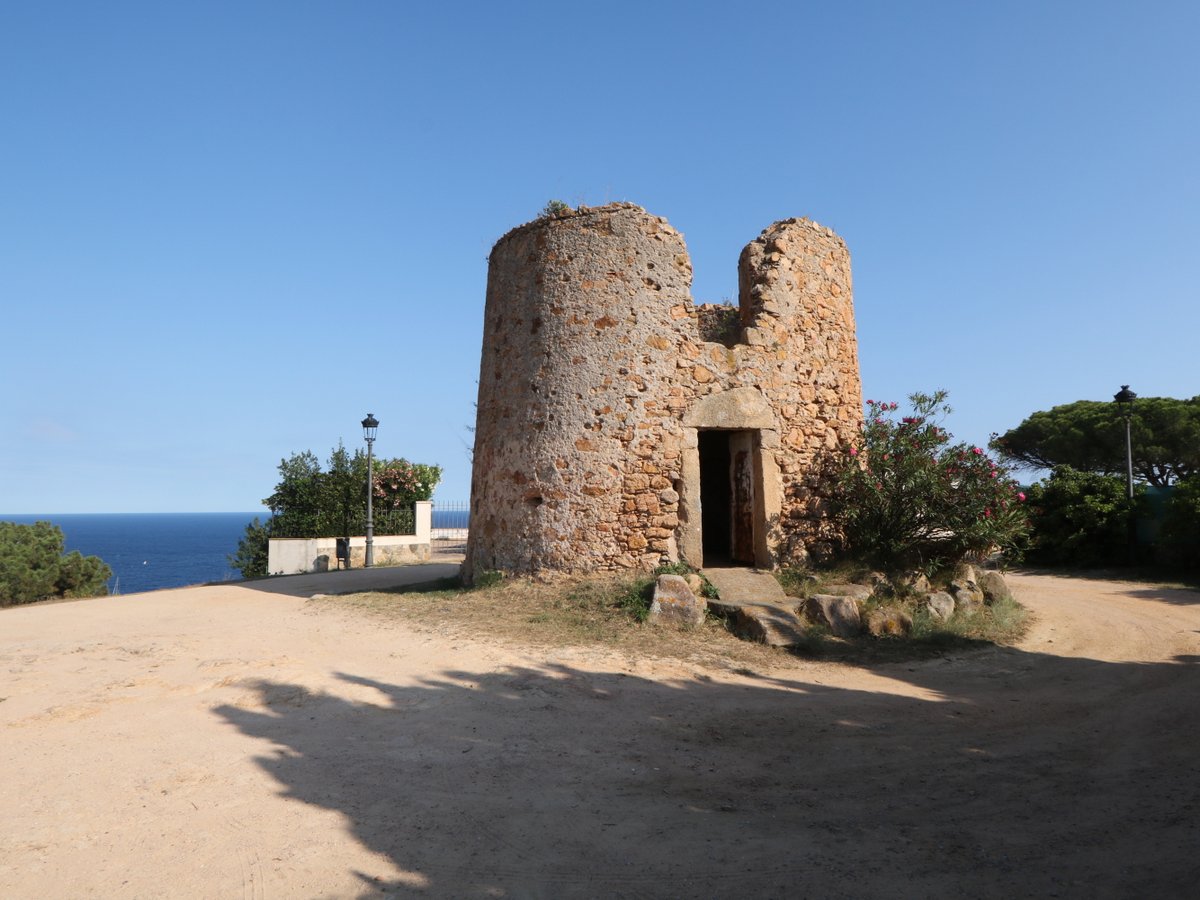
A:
802,353
594,381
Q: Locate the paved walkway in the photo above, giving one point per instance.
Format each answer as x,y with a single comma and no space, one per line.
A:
349,581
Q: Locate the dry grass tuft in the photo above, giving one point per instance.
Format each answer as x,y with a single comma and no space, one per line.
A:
560,613
609,611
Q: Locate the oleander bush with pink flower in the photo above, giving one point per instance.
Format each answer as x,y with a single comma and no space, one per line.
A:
400,483
908,499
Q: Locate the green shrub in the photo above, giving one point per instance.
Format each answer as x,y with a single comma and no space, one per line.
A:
33,566
906,499
635,597
1080,519
311,502
555,208
252,551
1179,537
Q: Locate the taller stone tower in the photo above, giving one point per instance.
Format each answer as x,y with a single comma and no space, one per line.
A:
612,432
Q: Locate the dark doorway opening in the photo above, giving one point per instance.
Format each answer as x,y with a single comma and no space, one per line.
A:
727,497
716,521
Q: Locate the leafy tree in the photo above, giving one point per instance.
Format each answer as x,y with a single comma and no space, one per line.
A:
311,501
341,491
82,576
1179,537
252,552
297,500
1081,519
1089,436
907,499
34,567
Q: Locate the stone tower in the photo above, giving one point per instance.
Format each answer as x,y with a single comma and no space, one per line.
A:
619,425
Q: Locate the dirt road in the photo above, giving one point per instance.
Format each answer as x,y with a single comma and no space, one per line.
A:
237,742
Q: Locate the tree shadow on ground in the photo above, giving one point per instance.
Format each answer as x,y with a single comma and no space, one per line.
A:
992,774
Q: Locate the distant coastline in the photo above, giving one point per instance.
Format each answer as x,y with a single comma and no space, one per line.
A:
153,551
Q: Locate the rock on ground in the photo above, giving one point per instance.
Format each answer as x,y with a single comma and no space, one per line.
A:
995,588
940,605
840,614
888,622
675,604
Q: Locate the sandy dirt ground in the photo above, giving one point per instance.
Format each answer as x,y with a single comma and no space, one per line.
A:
240,742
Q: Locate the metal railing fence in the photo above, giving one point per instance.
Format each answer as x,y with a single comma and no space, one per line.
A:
451,522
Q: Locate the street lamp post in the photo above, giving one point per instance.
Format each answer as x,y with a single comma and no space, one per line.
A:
1125,398
370,425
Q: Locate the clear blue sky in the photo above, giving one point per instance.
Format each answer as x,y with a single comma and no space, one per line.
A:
228,230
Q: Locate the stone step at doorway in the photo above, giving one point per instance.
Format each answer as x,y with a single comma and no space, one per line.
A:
755,605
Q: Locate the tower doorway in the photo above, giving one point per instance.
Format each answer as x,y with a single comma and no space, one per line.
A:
727,496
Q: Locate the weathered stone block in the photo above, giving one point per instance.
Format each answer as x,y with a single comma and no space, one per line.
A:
853,591
914,582
994,588
840,614
940,605
771,625
888,622
967,597
674,603
966,573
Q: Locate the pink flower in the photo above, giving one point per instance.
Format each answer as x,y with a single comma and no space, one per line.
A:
987,513
1021,496
854,451
978,451
992,474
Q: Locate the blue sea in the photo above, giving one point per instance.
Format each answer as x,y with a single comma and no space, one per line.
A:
149,551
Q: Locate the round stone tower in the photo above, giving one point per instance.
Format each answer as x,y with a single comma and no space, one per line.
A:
619,425
583,315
